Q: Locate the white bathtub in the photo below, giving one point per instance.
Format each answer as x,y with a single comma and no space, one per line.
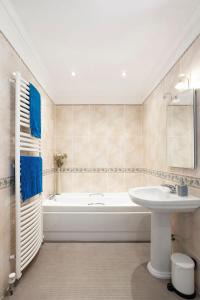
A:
95,217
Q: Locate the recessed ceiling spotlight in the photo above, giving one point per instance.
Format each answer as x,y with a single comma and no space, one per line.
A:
124,74
73,74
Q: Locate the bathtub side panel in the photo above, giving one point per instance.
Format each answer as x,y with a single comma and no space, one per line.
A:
97,226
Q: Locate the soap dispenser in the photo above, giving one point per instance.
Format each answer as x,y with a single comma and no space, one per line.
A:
182,188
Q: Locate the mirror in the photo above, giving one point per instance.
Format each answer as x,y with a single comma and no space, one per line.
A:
181,130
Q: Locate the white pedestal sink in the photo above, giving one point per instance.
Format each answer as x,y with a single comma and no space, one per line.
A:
162,203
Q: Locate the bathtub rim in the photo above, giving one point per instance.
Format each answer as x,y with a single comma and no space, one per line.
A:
56,206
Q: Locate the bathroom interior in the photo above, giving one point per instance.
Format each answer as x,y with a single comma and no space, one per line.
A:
100,149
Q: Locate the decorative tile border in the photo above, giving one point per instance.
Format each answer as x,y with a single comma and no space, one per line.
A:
49,171
7,182
101,170
189,180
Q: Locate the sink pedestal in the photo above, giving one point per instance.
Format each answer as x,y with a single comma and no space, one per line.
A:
160,265
162,203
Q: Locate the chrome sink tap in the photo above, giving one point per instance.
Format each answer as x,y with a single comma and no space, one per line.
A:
171,187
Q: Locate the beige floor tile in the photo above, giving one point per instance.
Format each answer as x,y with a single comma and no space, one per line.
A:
91,271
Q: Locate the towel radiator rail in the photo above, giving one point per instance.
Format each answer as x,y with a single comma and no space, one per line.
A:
29,231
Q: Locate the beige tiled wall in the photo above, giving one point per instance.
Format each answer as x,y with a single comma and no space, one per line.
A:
10,62
186,226
100,136
96,136
100,182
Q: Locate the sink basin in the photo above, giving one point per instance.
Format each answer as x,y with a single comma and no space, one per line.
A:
162,203
158,198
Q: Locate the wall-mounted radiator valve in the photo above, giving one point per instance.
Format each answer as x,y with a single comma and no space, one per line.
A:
11,282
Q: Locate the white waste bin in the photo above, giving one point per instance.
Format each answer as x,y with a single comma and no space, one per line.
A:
183,275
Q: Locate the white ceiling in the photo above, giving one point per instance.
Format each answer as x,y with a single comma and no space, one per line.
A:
98,39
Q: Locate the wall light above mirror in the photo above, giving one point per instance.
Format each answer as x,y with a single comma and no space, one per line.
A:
183,83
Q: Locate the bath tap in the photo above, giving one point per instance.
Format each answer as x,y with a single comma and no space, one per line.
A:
51,197
171,187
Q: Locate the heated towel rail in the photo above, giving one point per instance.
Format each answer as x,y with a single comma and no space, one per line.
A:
29,213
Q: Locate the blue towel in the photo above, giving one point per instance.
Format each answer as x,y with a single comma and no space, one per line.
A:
35,111
31,176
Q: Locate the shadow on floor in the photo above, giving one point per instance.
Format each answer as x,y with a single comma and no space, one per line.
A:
146,287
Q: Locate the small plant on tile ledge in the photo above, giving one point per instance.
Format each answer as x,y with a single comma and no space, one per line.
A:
59,160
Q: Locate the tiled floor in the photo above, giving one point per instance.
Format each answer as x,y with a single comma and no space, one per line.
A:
91,271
